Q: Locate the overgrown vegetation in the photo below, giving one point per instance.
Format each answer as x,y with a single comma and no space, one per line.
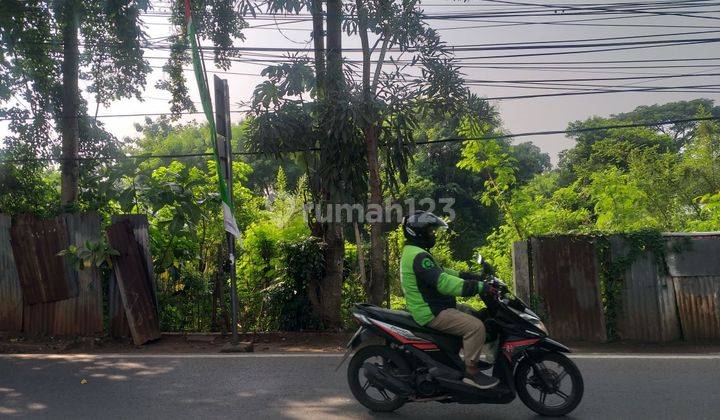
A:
635,182
619,181
357,127
613,267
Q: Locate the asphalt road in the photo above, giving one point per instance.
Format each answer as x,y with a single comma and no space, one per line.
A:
305,386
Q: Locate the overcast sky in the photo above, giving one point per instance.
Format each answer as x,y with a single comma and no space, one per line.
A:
520,115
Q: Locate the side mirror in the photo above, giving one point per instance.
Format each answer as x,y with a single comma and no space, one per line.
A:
479,258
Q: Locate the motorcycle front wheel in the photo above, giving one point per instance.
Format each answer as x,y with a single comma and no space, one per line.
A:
549,384
380,400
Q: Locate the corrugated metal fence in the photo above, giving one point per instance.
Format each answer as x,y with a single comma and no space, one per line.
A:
695,275
11,303
570,295
660,300
41,294
118,323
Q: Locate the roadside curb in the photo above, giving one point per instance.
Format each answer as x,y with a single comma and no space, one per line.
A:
90,357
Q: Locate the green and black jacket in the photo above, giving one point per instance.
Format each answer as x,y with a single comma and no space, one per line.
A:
429,288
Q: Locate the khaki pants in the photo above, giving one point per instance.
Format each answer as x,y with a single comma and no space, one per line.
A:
460,322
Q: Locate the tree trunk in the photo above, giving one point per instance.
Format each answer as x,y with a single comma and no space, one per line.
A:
334,50
319,44
360,253
375,287
378,277
70,109
331,288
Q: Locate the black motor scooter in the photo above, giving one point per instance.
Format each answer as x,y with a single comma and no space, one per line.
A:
399,361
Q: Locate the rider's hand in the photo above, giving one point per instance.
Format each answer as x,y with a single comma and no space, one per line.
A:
490,289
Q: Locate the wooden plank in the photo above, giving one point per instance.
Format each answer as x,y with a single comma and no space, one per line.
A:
133,283
44,276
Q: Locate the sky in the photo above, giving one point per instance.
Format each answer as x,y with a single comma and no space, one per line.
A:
518,115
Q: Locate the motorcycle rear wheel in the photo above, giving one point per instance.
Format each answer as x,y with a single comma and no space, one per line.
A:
557,369
361,390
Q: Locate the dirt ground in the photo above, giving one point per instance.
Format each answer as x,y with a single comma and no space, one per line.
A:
274,342
178,343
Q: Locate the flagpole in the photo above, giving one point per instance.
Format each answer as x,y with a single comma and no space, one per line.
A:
229,221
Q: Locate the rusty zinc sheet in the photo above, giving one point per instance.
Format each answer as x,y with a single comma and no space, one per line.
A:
693,261
134,283
118,324
693,254
647,312
11,304
81,315
565,276
698,301
117,321
44,276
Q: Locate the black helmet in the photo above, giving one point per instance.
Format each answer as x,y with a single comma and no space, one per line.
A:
419,228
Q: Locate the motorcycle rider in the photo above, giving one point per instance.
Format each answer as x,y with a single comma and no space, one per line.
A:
430,292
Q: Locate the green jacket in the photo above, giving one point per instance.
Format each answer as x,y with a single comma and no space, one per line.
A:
429,288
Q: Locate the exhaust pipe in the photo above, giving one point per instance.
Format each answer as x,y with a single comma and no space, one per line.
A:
379,379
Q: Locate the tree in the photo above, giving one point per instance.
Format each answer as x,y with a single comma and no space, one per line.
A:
377,112
322,131
42,64
389,104
493,159
40,80
622,180
433,172
680,133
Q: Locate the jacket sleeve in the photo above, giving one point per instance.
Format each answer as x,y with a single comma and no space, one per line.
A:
428,272
452,272
471,276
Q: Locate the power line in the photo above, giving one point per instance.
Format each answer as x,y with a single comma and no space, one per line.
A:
604,9
139,114
578,130
598,92
482,47
274,58
425,142
669,89
678,43
594,79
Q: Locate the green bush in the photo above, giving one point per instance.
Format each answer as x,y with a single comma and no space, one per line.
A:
184,300
302,260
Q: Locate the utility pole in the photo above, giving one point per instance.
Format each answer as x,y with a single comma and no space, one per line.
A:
224,148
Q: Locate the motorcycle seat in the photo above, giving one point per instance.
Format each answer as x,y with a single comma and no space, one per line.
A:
402,318
399,318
